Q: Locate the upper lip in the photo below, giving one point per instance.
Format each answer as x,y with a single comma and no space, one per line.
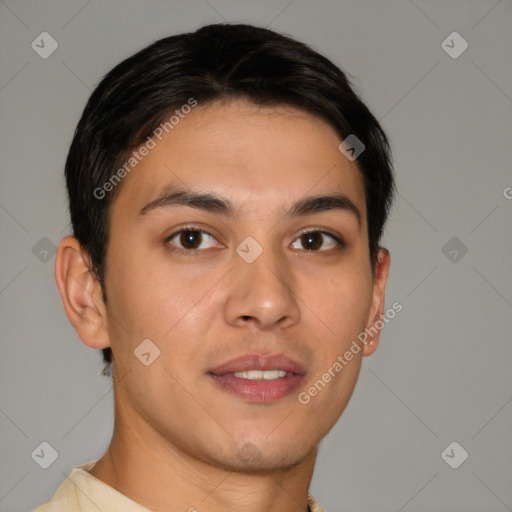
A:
258,362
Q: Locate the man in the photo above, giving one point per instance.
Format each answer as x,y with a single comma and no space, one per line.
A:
228,191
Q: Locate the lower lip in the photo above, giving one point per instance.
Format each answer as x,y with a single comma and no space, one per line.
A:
258,391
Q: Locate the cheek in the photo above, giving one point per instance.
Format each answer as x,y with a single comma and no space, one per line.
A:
342,307
151,299
341,304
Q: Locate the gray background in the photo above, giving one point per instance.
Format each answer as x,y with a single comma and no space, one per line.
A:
442,370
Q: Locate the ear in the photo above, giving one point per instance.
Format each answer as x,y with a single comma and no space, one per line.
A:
377,307
81,293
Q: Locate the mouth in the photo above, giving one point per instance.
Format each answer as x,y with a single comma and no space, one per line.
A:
257,378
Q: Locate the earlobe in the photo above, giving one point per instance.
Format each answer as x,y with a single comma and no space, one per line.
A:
81,294
374,324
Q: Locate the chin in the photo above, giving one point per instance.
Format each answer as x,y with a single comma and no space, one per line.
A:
251,458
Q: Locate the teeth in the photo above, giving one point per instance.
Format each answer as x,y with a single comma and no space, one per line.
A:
261,375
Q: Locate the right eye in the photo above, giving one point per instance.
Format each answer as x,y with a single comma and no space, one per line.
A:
189,240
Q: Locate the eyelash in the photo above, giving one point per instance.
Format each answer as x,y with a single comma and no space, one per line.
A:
195,252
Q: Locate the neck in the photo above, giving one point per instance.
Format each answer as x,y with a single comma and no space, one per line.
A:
155,473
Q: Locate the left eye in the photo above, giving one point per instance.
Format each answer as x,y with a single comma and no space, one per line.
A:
312,240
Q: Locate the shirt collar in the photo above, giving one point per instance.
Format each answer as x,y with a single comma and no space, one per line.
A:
313,505
93,493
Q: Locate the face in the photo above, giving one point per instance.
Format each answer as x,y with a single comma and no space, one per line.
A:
246,302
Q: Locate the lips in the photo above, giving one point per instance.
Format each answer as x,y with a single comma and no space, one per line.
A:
259,362
259,378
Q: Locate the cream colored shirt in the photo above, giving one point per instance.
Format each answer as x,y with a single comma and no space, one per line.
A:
82,492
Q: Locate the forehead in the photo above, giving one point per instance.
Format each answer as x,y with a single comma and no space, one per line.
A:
262,158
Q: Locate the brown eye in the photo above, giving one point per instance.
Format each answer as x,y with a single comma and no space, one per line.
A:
190,240
314,241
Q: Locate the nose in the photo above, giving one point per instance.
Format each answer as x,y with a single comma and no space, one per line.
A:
261,293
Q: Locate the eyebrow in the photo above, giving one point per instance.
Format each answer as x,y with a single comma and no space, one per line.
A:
213,203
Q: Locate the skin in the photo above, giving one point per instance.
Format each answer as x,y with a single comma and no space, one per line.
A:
178,436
